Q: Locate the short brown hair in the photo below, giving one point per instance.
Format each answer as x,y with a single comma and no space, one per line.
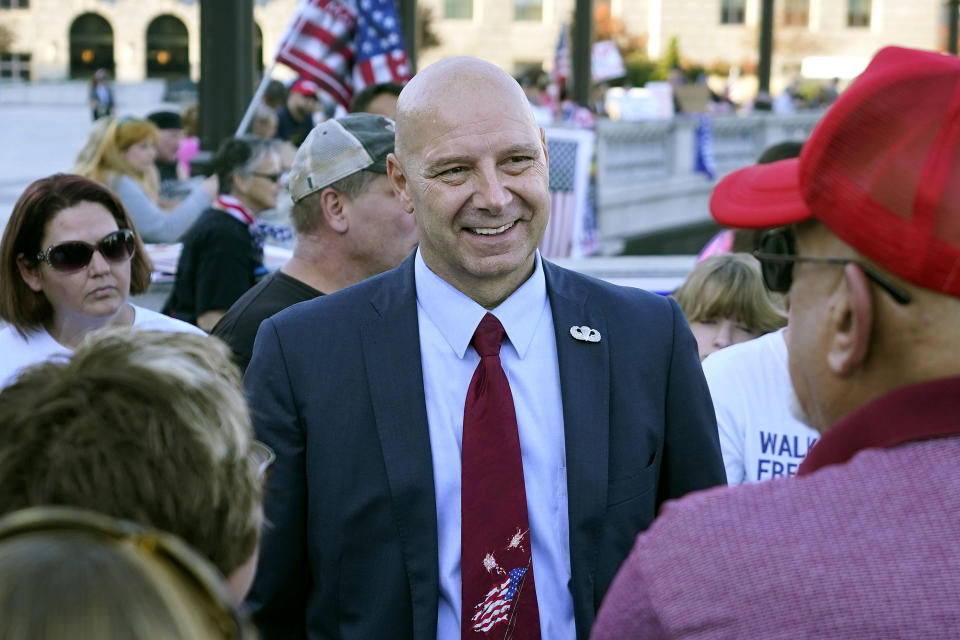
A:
147,426
730,286
20,305
306,211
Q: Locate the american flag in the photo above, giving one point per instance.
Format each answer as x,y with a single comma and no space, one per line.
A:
344,45
380,53
559,235
561,59
496,607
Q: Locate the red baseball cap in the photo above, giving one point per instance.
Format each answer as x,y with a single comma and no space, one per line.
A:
881,170
307,88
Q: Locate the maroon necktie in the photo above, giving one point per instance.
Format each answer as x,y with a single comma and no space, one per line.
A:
499,599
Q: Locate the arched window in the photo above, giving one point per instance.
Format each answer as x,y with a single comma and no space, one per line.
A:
91,45
168,48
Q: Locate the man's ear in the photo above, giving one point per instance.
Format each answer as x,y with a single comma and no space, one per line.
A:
398,180
333,212
852,324
543,143
30,276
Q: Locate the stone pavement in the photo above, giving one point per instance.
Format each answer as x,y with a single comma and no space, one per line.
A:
37,140
43,126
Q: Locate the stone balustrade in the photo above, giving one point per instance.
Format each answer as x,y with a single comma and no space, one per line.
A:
646,181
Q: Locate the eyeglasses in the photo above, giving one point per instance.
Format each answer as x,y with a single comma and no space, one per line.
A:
272,177
165,547
776,251
118,246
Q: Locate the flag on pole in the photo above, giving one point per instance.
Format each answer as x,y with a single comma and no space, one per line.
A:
561,60
345,45
704,157
380,53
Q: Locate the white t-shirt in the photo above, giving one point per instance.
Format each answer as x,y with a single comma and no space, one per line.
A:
39,345
760,438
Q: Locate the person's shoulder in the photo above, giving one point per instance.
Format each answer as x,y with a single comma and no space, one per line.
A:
30,338
9,334
249,299
274,293
150,320
19,351
213,225
122,183
13,342
742,517
351,305
730,545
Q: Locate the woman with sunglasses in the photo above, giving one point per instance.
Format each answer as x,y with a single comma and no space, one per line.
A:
70,260
222,252
124,161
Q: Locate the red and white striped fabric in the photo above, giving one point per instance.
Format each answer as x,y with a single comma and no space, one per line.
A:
344,46
558,237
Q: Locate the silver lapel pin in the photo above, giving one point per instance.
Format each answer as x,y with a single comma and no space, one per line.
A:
585,334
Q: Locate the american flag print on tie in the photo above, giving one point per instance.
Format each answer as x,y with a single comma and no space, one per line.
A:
497,609
494,527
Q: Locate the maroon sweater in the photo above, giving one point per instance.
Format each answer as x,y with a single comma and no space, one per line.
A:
863,543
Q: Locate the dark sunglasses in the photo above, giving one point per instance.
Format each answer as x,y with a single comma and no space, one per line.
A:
777,252
165,547
272,177
118,246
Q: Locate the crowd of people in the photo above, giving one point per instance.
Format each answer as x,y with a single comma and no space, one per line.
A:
417,427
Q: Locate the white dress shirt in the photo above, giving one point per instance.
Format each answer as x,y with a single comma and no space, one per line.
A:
447,321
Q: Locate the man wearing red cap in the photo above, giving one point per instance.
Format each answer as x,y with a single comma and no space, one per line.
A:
295,118
864,542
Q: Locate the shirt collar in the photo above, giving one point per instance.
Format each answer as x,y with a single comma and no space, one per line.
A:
457,316
917,412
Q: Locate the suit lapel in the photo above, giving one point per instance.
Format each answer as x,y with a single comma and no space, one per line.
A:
584,384
391,350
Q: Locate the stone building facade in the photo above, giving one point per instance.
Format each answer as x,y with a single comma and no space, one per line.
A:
63,39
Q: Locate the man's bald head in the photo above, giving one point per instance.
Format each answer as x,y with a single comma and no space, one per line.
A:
471,166
448,86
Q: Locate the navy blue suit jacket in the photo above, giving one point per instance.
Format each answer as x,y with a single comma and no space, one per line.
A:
336,388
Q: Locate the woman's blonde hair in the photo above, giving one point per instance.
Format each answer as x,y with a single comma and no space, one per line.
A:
109,157
730,286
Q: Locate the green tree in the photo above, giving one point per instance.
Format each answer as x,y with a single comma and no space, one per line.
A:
641,69
670,59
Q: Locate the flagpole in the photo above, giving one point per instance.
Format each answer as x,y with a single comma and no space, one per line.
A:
265,80
255,101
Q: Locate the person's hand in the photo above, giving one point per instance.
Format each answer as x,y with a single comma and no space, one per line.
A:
211,186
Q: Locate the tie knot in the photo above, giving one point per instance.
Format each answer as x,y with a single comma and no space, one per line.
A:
488,336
